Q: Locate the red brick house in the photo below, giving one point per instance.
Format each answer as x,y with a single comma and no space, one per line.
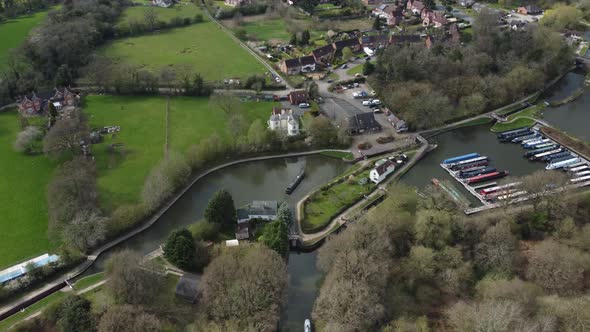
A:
391,13
298,96
529,10
298,65
375,41
36,104
415,6
437,19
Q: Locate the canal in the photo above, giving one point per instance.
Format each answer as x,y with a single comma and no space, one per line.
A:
267,180
260,180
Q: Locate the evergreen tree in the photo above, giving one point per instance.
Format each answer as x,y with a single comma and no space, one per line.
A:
293,40
221,210
305,37
368,68
377,23
179,249
275,236
284,214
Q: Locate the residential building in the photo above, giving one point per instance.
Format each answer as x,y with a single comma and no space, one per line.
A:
266,210
324,54
382,169
162,3
353,43
415,6
363,123
530,10
297,97
392,14
36,104
234,3
404,39
290,66
375,41
299,65
437,19
283,120
243,231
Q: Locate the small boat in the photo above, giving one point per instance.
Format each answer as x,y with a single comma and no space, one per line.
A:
487,185
557,155
570,167
460,158
296,181
512,195
582,173
545,153
575,169
470,165
466,162
464,174
533,144
583,178
496,188
547,147
307,325
526,137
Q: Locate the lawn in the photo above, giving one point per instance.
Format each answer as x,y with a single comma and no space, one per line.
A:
142,120
24,206
182,10
325,204
88,281
202,46
14,31
520,119
267,30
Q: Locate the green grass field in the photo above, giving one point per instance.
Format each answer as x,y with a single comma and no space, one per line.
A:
24,206
88,281
520,119
323,205
268,29
203,46
14,31
182,10
142,120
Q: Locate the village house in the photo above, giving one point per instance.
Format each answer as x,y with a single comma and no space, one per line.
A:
324,54
392,14
530,10
382,169
371,2
235,3
353,43
282,120
262,210
298,96
415,6
162,3
363,123
401,40
437,19
36,104
453,36
304,64
375,41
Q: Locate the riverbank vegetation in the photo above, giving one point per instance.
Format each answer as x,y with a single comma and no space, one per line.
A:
419,264
575,144
524,118
430,87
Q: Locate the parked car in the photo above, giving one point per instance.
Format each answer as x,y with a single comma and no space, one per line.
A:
356,85
344,66
373,93
377,111
277,79
304,105
375,102
357,75
330,81
366,103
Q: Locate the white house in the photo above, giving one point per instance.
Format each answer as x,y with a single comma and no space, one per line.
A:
266,210
382,169
163,3
283,120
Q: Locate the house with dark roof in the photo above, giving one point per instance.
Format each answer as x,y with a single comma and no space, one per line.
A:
530,10
415,6
297,97
307,64
37,103
382,169
324,54
353,43
404,39
290,66
265,210
437,19
363,123
375,41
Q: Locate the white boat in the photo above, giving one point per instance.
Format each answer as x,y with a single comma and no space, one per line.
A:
582,173
546,153
581,163
575,169
498,188
532,145
562,163
580,179
529,140
307,325
516,194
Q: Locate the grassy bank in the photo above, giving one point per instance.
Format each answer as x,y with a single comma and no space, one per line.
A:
203,46
24,207
141,141
329,201
524,118
572,143
137,13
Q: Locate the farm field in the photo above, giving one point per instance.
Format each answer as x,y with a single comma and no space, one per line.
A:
267,30
142,120
23,211
182,10
14,31
203,46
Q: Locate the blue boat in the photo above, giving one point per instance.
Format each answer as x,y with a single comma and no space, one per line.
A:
556,155
525,137
470,174
505,134
540,150
460,158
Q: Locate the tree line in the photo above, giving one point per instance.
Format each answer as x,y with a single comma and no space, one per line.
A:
14,8
417,264
430,87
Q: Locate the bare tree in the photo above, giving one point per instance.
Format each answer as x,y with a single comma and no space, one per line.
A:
66,135
151,18
246,285
497,250
25,139
86,230
167,76
226,102
157,187
541,185
498,316
130,283
128,318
